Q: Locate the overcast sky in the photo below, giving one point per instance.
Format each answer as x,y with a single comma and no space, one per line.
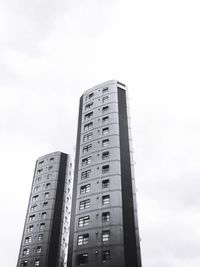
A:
51,52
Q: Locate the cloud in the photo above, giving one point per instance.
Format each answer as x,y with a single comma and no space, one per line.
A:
50,52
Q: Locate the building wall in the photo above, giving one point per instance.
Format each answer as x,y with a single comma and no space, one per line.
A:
51,188
99,110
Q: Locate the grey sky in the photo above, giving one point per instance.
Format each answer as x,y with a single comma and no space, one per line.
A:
50,52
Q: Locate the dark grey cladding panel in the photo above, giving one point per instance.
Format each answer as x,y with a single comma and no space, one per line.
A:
73,209
54,245
131,244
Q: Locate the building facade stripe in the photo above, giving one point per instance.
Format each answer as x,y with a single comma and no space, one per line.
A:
130,241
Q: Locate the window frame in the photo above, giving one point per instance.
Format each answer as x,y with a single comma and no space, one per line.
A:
39,249
105,155
86,174
84,189
88,106
105,131
28,239
105,119
105,200
26,251
88,126
86,148
105,90
105,168
80,260
105,217
88,115
83,239
105,256
84,204
40,237
86,161
105,108
105,183
105,142
84,221
87,137
105,98
105,235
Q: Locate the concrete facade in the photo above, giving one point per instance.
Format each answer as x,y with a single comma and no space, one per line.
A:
46,230
104,227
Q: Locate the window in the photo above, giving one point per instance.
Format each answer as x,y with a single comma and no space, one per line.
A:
85,174
88,126
91,95
40,237
105,255
105,142
39,171
36,188
45,204
49,176
39,249
28,239
82,259
42,225
50,167
43,215
88,115
31,218
85,189
85,204
105,235
105,183
87,137
105,130
48,185
38,179
41,163
105,168
30,228
51,159
105,90
105,119
105,109
24,264
26,251
33,208
105,155
87,148
88,106
86,161
105,99
46,195
37,262
83,239
83,221
105,216
35,198
105,200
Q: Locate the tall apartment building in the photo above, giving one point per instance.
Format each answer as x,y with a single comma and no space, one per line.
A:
104,224
46,230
